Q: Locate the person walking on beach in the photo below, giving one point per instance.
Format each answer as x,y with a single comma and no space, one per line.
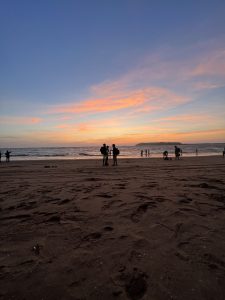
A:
141,153
103,151
148,153
0,156
7,155
116,152
223,152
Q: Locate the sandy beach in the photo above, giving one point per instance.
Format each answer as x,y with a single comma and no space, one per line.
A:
146,229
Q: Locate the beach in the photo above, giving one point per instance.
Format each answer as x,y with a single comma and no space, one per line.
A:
145,229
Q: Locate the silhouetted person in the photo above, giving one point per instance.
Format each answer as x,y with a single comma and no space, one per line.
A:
223,152
148,153
177,152
116,152
141,153
107,156
103,151
7,155
165,155
0,156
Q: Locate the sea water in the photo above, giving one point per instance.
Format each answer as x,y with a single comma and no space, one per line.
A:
93,152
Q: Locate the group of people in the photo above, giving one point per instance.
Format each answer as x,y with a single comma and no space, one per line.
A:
147,153
106,152
178,154
7,156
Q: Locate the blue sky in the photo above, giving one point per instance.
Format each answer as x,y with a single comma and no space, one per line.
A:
80,72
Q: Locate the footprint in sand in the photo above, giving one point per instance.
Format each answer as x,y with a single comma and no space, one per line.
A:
108,228
134,282
93,236
137,286
135,217
185,200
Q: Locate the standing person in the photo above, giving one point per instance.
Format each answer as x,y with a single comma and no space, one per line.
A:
141,153
148,153
223,152
107,156
0,156
177,152
103,151
7,155
116,152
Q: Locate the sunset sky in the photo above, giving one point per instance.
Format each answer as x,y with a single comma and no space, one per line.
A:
85,72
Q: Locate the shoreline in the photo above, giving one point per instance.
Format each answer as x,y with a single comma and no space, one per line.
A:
97,158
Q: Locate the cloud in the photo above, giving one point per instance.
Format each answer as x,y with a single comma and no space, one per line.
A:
207,85
19,120
101,105
140,100
127,106
187,118
211,64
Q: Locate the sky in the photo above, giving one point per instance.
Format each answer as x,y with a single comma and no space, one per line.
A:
84,72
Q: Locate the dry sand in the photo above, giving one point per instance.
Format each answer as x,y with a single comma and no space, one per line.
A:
147,229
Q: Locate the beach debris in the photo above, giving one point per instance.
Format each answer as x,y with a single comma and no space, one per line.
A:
36,249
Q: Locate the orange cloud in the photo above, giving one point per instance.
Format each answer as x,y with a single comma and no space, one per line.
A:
212,135
146,99
101,105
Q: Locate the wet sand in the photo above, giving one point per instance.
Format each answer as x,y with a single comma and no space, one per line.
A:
146,229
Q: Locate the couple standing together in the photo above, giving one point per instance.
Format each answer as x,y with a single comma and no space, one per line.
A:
106,152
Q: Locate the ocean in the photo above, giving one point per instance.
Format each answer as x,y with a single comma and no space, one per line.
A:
93,152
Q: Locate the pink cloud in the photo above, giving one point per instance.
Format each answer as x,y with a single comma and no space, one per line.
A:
211,64
20,120
207,85
187,118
